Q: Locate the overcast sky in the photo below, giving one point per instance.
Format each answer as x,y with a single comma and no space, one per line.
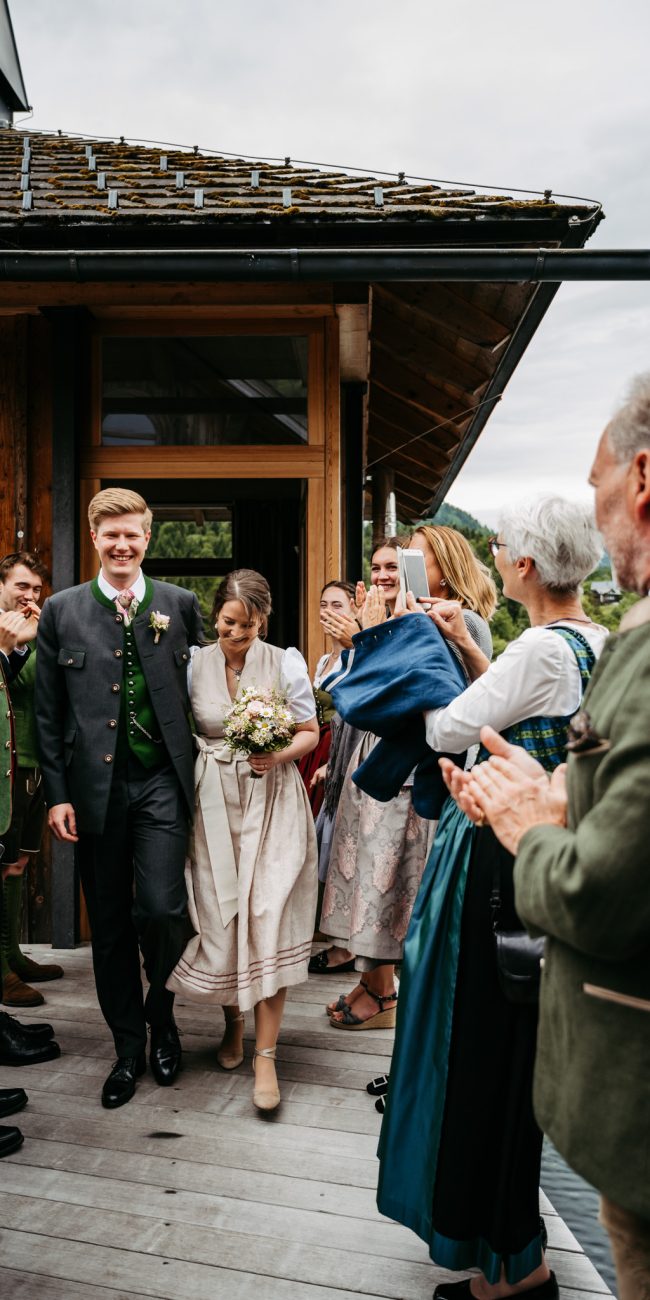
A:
505,93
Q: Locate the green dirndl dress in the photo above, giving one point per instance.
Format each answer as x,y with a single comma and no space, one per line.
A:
460,1149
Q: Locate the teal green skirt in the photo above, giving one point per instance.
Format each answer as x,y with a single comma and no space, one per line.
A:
459,1148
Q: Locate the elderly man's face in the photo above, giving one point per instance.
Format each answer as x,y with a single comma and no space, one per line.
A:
614,515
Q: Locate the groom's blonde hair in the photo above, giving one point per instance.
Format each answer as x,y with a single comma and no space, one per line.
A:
118,501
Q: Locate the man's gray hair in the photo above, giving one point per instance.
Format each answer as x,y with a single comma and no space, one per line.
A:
629,430
560,536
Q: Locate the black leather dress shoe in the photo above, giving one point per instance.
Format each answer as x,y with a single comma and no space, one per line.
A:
166,1054
11,1100
120,1084
18,1048
10,1140
38,1032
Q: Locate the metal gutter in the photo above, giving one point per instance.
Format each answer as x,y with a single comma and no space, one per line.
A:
370,264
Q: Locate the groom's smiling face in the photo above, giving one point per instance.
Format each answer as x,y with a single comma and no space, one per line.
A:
121,543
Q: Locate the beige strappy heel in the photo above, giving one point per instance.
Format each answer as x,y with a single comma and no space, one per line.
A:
265,1098
228,1058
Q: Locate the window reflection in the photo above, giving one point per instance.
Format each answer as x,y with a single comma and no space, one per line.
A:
204,391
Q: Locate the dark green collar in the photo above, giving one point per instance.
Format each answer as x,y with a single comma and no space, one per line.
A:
110,604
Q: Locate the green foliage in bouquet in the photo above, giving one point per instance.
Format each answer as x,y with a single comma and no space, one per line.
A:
259,722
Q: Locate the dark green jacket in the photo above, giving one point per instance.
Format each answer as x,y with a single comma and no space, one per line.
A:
588,889
22,702
6,756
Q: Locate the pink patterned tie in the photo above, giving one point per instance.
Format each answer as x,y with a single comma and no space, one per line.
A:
124,602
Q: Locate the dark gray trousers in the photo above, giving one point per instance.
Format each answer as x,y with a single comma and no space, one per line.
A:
134,884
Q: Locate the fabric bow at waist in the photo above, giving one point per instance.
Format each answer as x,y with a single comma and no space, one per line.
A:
211,798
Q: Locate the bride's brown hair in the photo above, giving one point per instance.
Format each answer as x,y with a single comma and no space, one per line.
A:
251,589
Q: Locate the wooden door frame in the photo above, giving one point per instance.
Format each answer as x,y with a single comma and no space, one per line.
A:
318,462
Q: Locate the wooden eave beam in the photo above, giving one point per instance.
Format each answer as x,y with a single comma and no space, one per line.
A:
424,352
419,455
416,501
402,382
449,308
410,423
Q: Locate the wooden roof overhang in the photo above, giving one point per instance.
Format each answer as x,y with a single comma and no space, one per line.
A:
439,352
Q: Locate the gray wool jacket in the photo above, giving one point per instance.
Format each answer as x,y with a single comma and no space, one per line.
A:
79,683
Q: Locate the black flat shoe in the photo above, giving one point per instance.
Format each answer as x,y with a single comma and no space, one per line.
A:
19,1048
318,965
10,1140
378,1087
166,1054
548,1290
120,1084
11,1100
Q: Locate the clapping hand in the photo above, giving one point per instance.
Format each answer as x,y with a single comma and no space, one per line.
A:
340,626
11,627
30,614
374,610
512,792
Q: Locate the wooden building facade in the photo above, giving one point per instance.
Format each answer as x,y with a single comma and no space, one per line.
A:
239,341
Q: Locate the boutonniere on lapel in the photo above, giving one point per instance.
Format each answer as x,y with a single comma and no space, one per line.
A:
159,623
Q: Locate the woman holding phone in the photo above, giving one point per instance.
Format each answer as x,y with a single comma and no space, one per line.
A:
379,849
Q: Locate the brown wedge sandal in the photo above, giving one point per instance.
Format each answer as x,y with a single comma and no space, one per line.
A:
381,1019
342,1002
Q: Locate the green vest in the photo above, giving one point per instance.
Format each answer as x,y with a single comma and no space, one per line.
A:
22,701
138,729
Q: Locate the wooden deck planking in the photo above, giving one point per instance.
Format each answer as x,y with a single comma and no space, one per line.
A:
189,1193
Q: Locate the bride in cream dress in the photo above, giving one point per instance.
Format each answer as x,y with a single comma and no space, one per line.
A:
252,868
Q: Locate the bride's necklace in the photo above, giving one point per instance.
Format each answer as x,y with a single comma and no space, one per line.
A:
236,672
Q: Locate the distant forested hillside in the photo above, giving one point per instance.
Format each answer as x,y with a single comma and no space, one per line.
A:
460,519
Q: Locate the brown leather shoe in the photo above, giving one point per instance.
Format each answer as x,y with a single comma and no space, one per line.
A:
17,994
26,969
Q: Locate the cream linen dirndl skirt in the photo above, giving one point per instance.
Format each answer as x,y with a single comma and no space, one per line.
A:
254,931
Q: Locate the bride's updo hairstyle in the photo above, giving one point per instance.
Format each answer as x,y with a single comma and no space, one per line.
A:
251,589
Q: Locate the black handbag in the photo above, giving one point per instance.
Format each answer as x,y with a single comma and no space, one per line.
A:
518,957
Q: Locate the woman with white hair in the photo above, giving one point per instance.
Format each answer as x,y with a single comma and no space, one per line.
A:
460,1149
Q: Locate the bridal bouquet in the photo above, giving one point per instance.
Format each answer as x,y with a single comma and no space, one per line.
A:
259,722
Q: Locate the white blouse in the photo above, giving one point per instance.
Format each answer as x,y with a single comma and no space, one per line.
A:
320,673
536,675
294,682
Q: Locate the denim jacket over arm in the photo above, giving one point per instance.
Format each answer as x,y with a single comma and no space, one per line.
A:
393,673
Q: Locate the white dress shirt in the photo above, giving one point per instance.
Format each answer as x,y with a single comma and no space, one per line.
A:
536,675
138,587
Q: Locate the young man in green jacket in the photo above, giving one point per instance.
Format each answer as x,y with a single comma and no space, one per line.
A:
21,584
19,1044
582,878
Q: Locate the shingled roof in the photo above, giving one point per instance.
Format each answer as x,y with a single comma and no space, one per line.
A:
436,356
58,181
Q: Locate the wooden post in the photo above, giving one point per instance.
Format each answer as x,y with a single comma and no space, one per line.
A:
70,379
384,520
13,432
353,410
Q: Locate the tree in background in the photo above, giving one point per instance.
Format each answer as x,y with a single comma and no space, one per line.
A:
176,539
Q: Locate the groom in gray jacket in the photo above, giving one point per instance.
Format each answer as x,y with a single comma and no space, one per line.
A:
112,714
